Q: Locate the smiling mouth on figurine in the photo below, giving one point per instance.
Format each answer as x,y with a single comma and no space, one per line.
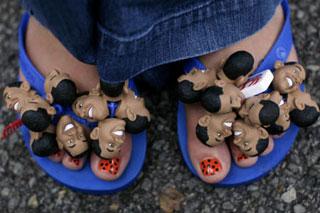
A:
290,82
228,124
16,106
248,150
90,112
110,150
237,133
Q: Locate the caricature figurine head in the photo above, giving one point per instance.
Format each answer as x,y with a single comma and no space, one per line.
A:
112,89
60,89
71,137
222,98
43,144
191,84
288,76
303,110
35,112
108,137
282,123
92,106
252,141
237,68
212,129
133,111
260,110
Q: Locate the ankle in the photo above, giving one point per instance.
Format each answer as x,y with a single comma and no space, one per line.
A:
47,53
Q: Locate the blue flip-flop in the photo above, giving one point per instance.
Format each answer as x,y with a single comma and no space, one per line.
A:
83,180
239,175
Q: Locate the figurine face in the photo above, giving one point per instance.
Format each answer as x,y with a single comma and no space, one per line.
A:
35,112
92,107
222,98
214,128
251,140
283,121
288,77
15,94
191,84
60,89
259,110
237,68
110,135
303,110
71,136
133,111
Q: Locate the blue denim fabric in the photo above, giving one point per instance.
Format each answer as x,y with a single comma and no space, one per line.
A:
127,37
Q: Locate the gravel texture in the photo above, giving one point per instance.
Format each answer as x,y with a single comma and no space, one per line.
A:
293,186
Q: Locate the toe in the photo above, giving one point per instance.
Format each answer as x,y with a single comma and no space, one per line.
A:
73,163
241,159
57,157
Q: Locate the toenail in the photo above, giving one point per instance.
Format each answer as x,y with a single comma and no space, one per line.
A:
242,157
210,167
110,166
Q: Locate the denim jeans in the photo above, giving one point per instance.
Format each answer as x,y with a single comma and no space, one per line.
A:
125,38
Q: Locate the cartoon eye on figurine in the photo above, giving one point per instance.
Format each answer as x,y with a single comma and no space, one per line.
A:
60,89
36,113
212,129
237,68
222,98
71,137
133,111
251,140
92,106
44,144
259,110
191,85
108,137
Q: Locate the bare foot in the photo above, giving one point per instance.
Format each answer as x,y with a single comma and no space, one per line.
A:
198,152
46,54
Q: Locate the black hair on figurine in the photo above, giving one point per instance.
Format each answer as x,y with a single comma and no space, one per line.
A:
45,146
111,89
262,144
275,129
95,147
210,99
141,123
36,121
238,64
186,93
269,113
202,134
290,63
64,93
15,84
304,118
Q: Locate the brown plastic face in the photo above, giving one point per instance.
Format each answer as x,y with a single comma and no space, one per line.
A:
219,126
287,78
201,79
299,100
23,99
251,108
52,80
92,107
111,136
71,136
247,136
231,98
131,106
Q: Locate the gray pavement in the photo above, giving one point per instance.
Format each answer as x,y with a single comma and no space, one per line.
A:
294,186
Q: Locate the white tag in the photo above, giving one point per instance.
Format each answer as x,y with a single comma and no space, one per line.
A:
257,84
